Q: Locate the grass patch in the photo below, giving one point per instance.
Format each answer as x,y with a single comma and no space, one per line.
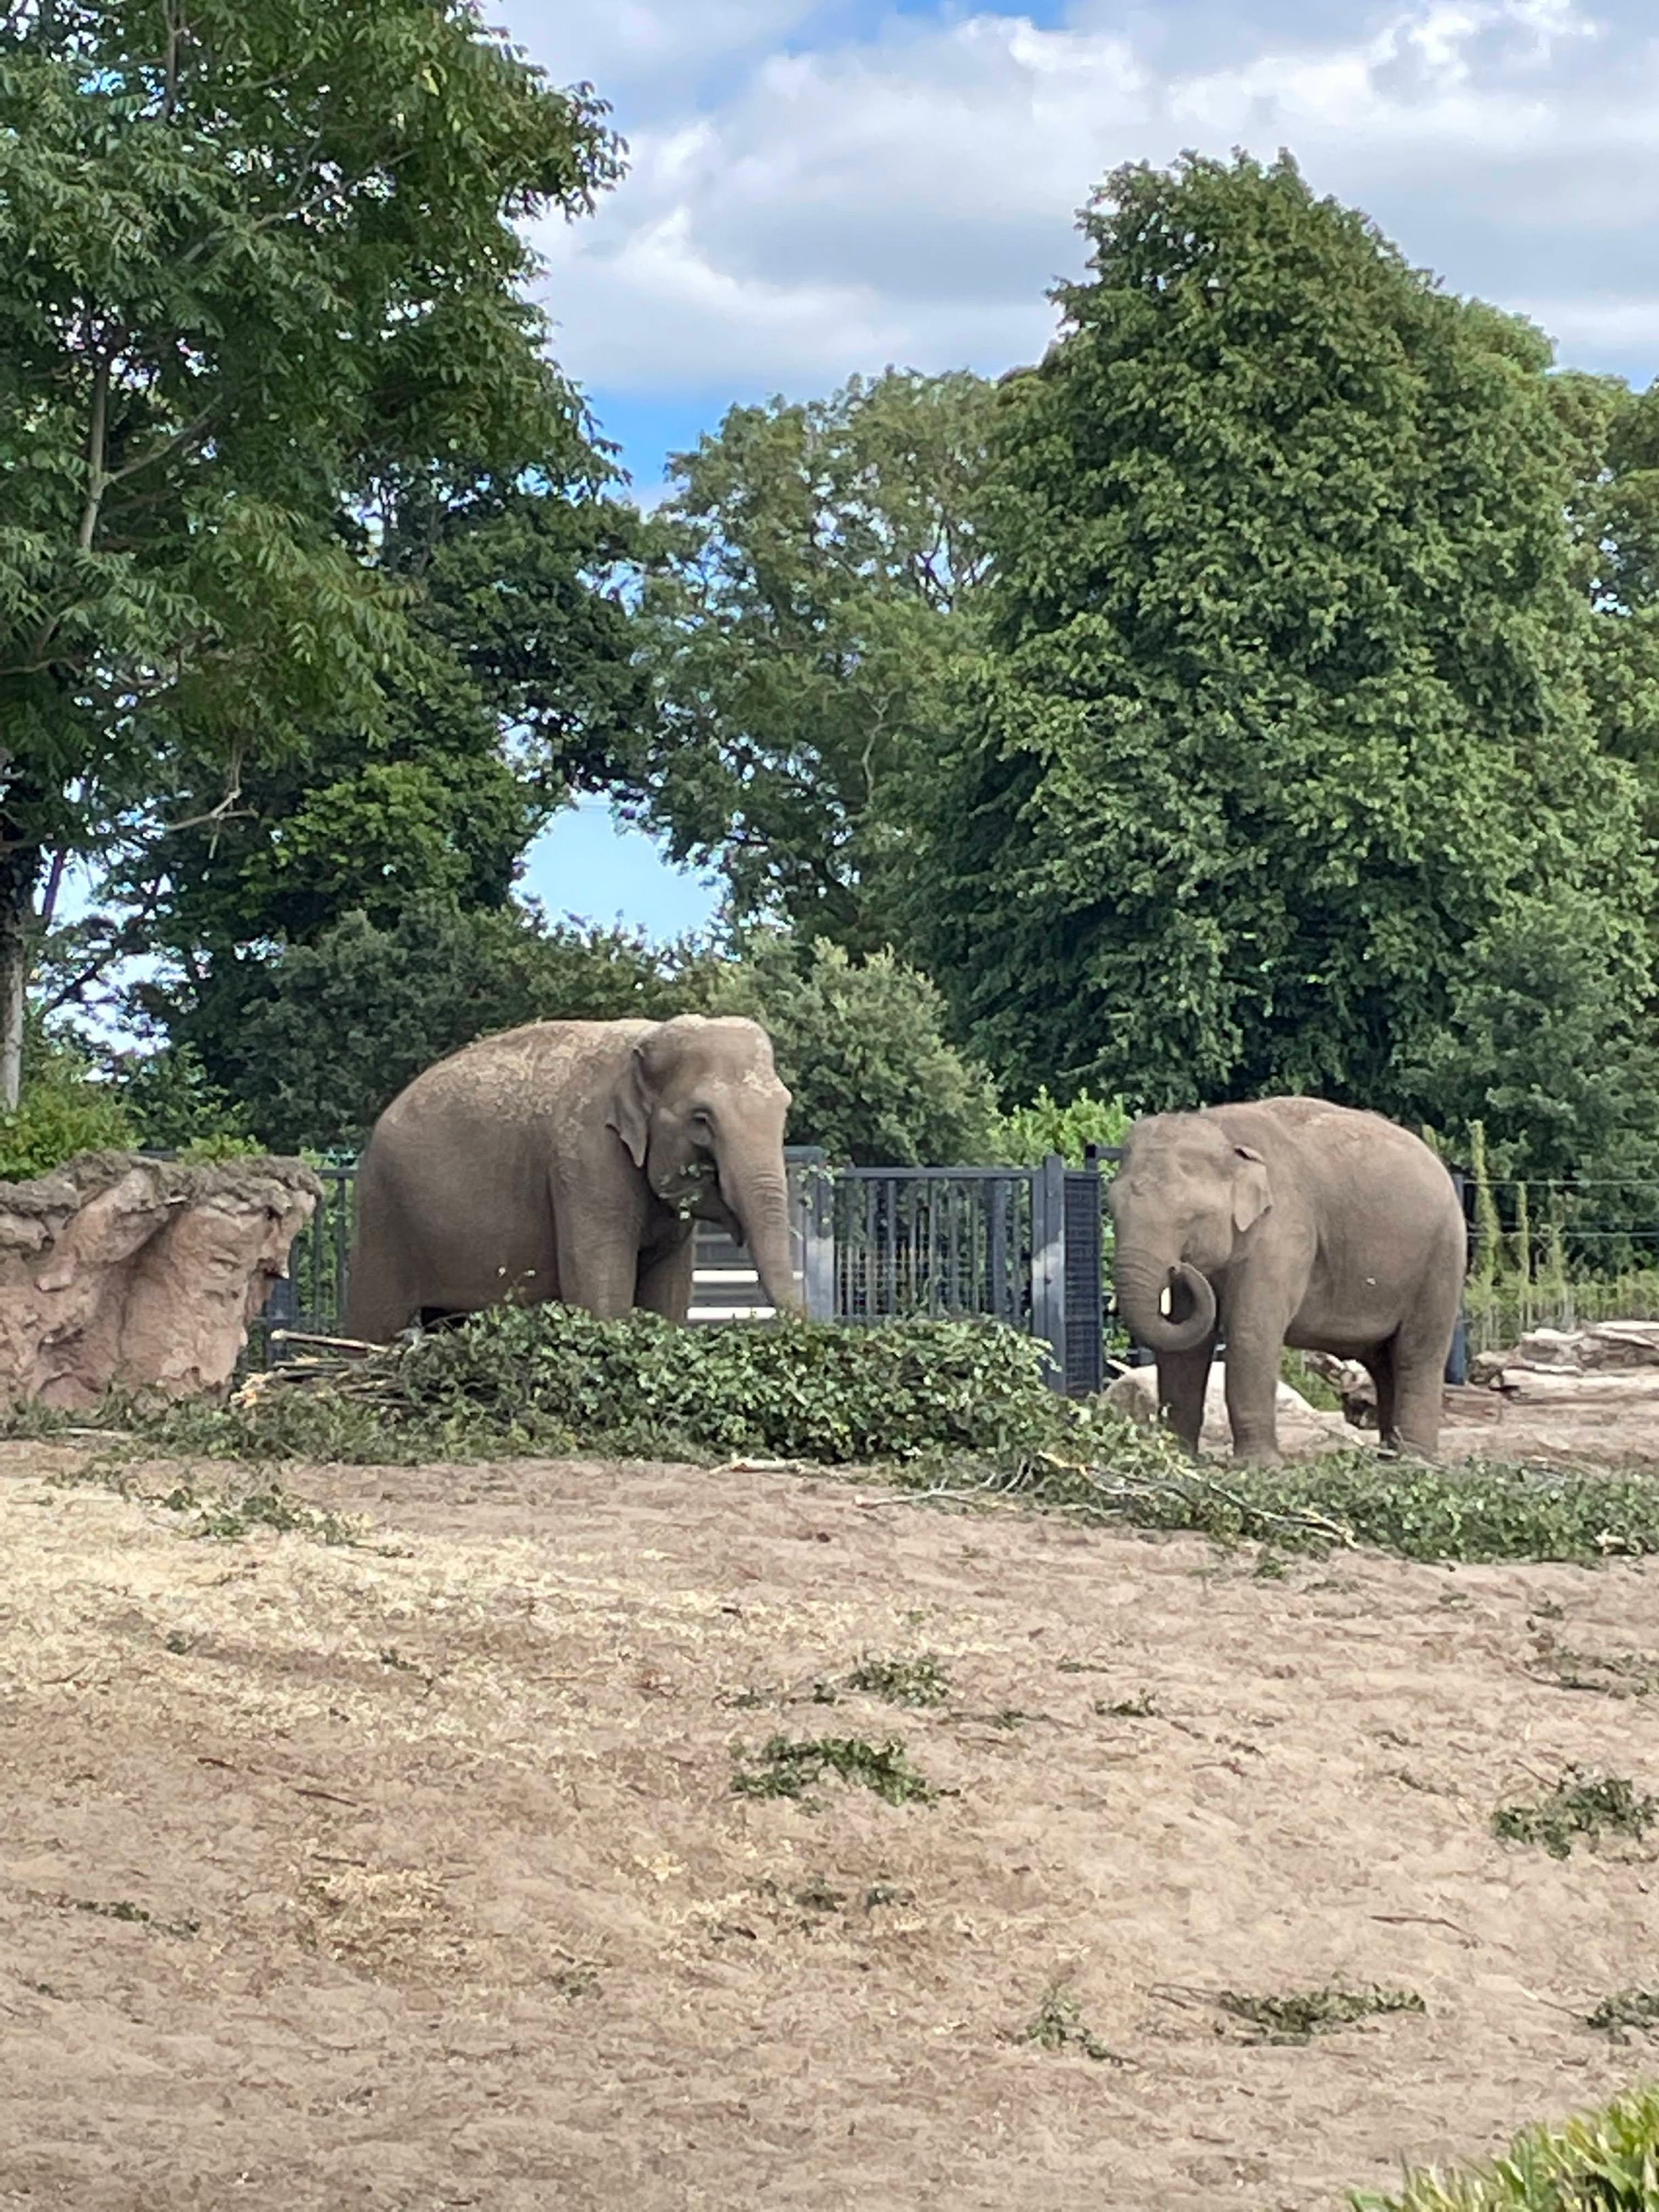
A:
787,1767
225,1517
1301,2015
1058,2024
1580,1805
123,1908
1137,1708
1611,1673
1625,2013
1600,2161
921,1682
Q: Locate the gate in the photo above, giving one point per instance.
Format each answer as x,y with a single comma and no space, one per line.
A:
1019,1245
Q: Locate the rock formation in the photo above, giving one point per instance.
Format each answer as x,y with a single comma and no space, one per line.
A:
116,1268
1302,1427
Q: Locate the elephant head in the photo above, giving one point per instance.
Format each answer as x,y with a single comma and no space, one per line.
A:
1182,1199
702,1111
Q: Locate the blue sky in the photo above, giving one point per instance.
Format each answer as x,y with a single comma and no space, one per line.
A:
824,186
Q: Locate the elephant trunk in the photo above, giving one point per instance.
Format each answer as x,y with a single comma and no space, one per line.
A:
1141,1277
761,1204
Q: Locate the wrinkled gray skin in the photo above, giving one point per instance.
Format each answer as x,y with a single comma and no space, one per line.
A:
1287,1222
562,1161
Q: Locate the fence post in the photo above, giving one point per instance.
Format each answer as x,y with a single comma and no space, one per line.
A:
1457,1359
1048,1264
815,1217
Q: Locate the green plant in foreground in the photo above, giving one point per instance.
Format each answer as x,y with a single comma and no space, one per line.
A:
1599,2161
1118,1475
1580,1805
786,1768
1626,2009
920,1681
1057,2025
1300,2014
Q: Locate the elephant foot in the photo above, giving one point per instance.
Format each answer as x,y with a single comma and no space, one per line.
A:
1257,1455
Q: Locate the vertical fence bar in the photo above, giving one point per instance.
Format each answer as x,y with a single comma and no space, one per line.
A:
1457,1359
1049,1263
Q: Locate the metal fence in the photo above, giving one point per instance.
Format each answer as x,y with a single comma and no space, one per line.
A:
1019,1245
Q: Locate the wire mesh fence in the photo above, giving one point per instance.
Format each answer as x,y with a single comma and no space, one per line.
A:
1562,1253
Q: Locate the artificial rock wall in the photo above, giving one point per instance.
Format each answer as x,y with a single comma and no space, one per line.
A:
117,1269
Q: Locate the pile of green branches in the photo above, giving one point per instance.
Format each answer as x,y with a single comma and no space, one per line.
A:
553,1379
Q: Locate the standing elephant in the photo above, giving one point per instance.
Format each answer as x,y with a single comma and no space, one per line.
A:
1288,1222
567,1160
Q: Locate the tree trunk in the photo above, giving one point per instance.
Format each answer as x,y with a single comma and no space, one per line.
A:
20,868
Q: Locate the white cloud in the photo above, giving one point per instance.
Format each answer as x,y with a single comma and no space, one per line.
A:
908,195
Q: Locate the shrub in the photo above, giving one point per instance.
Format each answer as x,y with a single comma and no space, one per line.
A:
1029,1134
862,1047
63,1110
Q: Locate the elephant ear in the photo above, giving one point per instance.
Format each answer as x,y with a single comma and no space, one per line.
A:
1252,1192
631,1110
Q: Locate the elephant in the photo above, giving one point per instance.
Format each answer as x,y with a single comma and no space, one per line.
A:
1290,1221
567,1160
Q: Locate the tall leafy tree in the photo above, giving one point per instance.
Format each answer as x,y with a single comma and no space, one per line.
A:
521,679
1285,708
259,263
818,558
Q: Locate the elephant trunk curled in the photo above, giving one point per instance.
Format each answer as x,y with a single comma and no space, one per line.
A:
1141,1277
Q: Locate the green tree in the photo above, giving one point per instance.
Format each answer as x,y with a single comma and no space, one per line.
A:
817,561
1284,716
861,1044
1621,508
259,263
522,679
342,1025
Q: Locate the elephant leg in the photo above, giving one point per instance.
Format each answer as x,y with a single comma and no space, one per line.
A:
1183,1378
664,1280
1255,1341
1419,1375
1379,1365
597,1270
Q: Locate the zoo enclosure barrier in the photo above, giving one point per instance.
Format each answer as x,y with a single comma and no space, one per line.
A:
1021,1245
1028,1246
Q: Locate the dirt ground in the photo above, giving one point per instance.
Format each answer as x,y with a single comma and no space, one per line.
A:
411,1875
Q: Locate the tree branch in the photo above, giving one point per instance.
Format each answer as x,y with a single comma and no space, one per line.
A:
97,433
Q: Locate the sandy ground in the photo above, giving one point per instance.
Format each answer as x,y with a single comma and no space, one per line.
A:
451,1902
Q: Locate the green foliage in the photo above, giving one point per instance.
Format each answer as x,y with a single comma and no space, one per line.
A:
1058,2024
1600,2161
556,1377
339,1027
1580,1805
260,266
819,559
861,1045
1278,772
919,1682
1029,1134
1626,2011
63,1111
786,1768
1111,1472
175,1106
1301,2015
521,676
